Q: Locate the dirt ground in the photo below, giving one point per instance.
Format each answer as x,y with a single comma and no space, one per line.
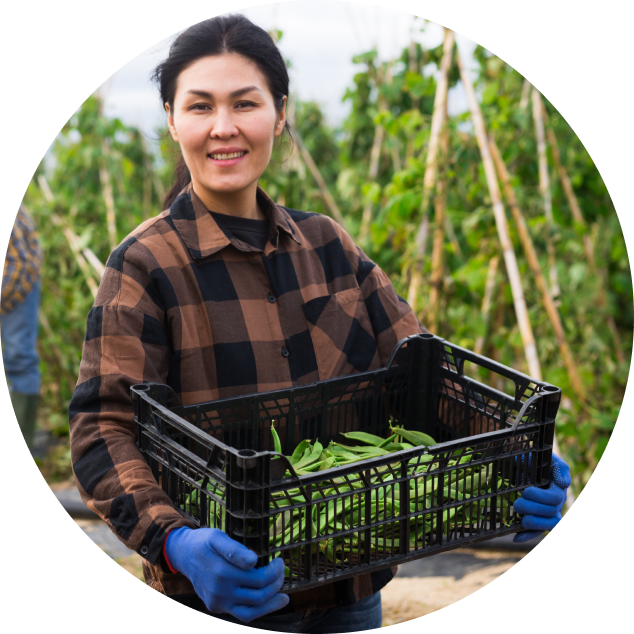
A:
406,598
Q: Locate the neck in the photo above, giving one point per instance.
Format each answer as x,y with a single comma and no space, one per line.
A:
242,204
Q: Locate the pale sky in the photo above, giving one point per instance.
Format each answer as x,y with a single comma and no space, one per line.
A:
319,39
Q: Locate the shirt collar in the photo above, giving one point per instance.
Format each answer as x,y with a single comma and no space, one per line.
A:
204,236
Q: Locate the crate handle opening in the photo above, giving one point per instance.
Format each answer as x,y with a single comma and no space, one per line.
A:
247,458
525,407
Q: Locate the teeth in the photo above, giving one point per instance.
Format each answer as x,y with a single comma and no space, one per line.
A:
224,157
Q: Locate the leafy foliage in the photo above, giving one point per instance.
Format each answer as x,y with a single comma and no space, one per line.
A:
398,96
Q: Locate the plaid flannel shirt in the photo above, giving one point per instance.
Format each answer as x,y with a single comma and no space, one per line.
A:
22,264
183,302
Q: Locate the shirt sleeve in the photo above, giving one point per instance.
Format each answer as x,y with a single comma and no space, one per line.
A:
391,316
126,343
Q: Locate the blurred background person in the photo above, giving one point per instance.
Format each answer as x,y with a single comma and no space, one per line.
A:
19,307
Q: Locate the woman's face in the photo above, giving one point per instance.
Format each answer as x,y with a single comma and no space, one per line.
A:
225,121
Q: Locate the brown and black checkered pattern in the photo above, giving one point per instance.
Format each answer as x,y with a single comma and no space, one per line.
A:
184,302
22,264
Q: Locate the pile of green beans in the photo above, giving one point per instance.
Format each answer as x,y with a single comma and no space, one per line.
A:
348,510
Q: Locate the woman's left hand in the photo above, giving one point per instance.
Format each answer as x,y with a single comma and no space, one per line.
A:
542,507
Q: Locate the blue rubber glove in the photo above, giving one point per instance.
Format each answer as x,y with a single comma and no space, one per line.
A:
223,574
542,507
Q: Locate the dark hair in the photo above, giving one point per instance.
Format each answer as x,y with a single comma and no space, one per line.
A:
222,34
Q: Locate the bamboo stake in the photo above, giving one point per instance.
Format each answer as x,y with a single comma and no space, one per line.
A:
106,189
486,302
330,201
83,265
526,89
530,350
372,174
95,262
451,234
437,263
375,155
544,187
73,241
394,145
438,116
396,157
587,241
531,256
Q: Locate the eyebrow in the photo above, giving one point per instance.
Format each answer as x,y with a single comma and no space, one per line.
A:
235,93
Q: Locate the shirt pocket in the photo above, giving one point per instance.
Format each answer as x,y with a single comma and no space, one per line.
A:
342,334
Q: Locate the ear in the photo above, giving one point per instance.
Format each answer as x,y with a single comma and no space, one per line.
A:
170,123
281,120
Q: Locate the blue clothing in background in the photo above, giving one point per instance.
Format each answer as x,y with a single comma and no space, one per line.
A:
19,352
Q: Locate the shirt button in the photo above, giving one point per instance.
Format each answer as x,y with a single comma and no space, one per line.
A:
272,298
285,352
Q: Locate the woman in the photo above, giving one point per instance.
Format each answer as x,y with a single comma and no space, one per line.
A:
224,293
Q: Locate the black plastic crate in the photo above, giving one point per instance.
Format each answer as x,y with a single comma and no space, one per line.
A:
216,461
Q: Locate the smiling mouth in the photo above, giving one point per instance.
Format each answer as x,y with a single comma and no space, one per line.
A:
226,157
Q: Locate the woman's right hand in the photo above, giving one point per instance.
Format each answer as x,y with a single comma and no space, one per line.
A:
223,574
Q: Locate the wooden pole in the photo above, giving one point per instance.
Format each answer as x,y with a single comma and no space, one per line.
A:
587,242
486,302
437,264
106,190
308,160
530,350
438,116
533,262
451,234
95,262
393,143
544,187
73,241
526,89
375,155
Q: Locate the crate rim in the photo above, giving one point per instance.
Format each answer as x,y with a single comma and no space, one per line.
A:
142,389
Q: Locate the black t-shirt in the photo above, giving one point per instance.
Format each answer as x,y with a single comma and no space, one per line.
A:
254,232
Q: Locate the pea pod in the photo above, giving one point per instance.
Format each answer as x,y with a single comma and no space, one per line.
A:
299,451
396,446
415,437
387,441
277,445
313,456
361,436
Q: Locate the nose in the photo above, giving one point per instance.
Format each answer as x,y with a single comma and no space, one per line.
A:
224,126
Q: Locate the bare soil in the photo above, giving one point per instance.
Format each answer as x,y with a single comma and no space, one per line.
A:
407,598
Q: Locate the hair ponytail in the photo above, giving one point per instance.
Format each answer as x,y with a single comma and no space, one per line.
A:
180,179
